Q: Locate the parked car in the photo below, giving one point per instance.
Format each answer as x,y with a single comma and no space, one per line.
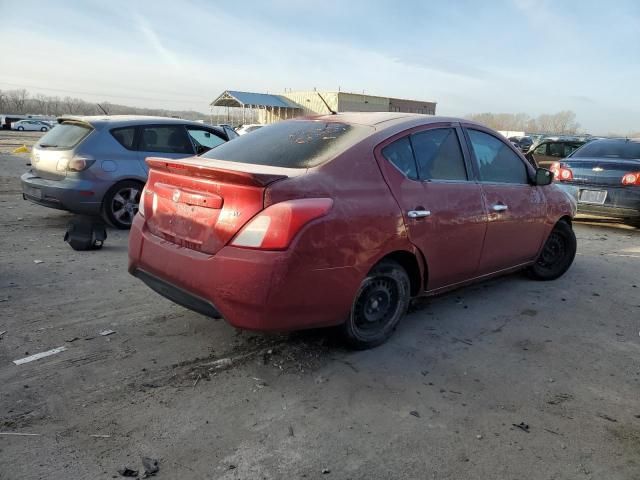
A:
550,150
31,125
604,177
523,143
95,165
252,127
342,219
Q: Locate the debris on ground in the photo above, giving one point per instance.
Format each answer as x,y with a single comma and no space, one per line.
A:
522,426
2,333
40,355
100,436
127,472
325,471
104,333
606,417
151,466
479,437
18,434
38,262
414,413
72,339
290,431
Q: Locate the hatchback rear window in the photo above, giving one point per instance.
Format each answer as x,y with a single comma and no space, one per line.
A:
609,149
65,135
125,136
291,144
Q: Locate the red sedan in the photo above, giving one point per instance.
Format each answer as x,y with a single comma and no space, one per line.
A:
342,219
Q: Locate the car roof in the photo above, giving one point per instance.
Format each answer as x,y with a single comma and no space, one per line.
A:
100,121
381,120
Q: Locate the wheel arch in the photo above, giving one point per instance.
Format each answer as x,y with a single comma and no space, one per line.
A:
412,264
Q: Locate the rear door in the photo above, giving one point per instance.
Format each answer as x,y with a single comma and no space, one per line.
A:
166,141
516,208
430,177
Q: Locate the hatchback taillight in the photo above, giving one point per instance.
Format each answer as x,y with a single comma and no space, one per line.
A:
631,178
561,173
275,227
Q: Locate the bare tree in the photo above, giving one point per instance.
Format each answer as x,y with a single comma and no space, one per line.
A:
17,100
563,122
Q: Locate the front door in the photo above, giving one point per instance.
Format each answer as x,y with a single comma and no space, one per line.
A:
516,208
442,206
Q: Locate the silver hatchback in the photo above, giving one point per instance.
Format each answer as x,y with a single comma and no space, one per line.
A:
96,165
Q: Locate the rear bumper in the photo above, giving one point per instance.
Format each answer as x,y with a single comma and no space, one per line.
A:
621,202
251,289
63,194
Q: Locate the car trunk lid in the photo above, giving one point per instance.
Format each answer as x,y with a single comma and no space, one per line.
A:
600,171
200,204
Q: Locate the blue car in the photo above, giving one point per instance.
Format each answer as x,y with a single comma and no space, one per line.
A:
96,165
604,178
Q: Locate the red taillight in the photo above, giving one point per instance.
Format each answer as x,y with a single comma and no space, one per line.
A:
277,225
631,178
561,173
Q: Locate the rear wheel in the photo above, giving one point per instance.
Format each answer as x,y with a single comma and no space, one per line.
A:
379,304
634,222
121,202
557,254
20,129
43,129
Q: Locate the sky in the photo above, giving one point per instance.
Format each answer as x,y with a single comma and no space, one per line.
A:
531,56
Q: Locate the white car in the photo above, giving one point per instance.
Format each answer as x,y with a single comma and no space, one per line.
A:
248,128
31,125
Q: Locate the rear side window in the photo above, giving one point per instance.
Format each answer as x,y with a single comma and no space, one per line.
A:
400,154
439,155
65,136
541,150
291,144
125,136
496,161
165,139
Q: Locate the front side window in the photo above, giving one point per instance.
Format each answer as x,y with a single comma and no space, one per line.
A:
496,161
203,139
400,154
541,150
165,139
556,150
438,155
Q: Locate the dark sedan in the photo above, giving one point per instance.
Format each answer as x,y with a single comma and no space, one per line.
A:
604,177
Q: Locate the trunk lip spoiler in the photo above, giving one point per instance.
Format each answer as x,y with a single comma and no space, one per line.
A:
256,175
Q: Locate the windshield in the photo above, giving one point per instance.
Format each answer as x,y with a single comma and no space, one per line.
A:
609,149
64,136
291,144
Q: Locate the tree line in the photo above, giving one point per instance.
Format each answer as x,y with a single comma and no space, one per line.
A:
561,123
22,102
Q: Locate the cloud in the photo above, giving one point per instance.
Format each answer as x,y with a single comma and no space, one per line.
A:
168,56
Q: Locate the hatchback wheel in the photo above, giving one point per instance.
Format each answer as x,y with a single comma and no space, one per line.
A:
120,203
381,301
557,254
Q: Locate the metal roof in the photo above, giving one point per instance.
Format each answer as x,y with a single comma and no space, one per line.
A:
233,98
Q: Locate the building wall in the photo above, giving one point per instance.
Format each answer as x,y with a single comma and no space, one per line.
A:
311,103
412,106
355,102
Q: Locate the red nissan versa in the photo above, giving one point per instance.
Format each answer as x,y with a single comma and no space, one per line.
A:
341,219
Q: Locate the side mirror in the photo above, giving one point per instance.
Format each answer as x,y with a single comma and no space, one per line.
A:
543,177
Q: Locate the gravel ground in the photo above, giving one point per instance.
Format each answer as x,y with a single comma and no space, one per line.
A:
440,400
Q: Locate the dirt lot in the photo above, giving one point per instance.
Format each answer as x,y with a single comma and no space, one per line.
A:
439,401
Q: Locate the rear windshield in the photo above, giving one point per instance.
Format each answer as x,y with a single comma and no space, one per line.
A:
64,136
609,149
291,144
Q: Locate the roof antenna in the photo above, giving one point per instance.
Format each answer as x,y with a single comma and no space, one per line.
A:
103,110
326,104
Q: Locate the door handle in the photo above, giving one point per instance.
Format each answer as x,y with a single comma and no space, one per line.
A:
418,213
499,207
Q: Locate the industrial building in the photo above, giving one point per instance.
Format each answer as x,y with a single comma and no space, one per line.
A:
240,108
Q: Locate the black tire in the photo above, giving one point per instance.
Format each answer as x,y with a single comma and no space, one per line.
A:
557,254
121,202
379,304
633,222
20,129
44,129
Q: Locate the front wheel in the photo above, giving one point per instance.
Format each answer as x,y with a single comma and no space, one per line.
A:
43,129
121,203
557,254
20,129
379,304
